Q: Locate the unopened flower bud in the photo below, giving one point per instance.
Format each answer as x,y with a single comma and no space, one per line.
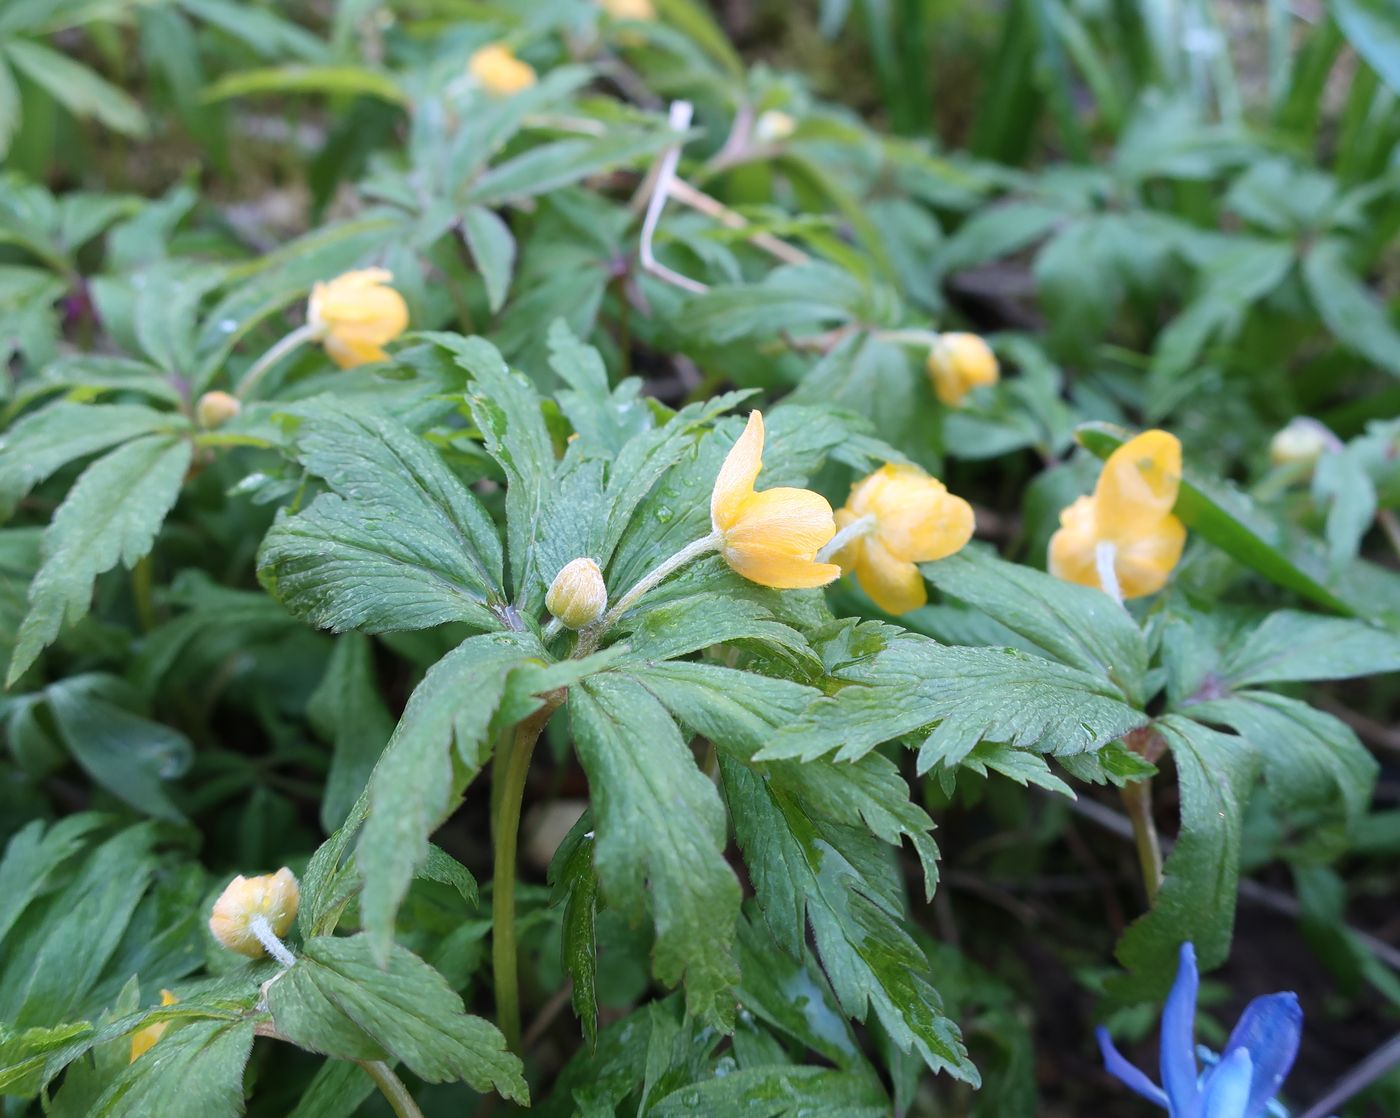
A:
272,897
773,126
629,9
214,409
1301,443
142,1039
496,69
578,596
958,363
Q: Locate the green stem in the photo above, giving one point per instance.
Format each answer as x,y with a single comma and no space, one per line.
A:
268,360
505,967
392,1088
142,583
1137,799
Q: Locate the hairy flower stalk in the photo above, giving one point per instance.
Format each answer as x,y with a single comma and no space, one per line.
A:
253,913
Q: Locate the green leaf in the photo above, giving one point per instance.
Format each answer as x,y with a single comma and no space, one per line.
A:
1342,484
1373,28
101,722
892,683
47,440
328,80
777,1092
1358,319
197,1068
338,999
576,887
1077,625
439,745
1215,773
399,543
1311,760
837,878
794,298
260,28
670,630
1293,647
507,409
493,248
32,856
552,165
337,1090
660,838
82,91
9,107
1227,520
111,515
346,709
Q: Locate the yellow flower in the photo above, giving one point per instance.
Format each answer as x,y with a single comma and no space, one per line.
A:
142,1039
496,69
214,409
958,363
577,596
1127,524
629,9
355,314
271,897
772,537
909,518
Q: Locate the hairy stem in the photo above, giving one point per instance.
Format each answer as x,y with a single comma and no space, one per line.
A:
504,964
1137,799
392,1088
268,360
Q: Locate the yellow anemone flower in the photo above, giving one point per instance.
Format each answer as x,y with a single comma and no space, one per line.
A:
958,363
355,314
496,69
910,518
142,1039
270,897
771,537
1126,526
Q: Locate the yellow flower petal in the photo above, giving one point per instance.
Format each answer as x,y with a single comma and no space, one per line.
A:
273,896
738,473
1143,565
916,517
895,585
496,69
797,521
1139,485
143,1039
1072,547
355,314
779,568
349,353
958,363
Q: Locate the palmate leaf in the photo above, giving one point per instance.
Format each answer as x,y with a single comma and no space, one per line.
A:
660,838
399,543
780,1091
895,684
347,709
82,91
338,999
1292,647
1196,901
1078,626
576,887
112,514
47,440
838,879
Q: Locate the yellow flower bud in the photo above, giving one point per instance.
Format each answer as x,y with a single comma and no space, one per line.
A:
355,314
1127,523
772,537
958,363
1301,443
496,69
214,409
908,518
578,596
629,9
142,1039
272,897
773,126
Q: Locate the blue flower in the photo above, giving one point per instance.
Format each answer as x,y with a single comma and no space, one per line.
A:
1251,1069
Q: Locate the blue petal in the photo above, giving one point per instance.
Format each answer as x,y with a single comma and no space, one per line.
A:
1228,1086
1130,1076
1178,1039
1269,1029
